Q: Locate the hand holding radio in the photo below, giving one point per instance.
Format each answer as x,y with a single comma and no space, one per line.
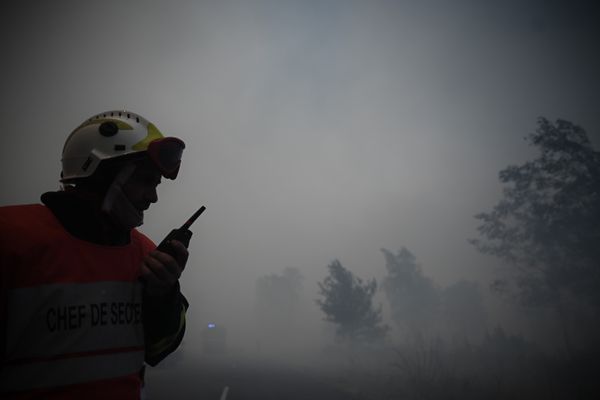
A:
182,234
161,271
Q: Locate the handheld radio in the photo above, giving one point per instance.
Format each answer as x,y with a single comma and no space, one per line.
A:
182,234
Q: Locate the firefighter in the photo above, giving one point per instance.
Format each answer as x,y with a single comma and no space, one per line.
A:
85,298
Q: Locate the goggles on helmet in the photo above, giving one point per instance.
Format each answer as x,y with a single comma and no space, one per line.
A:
166,155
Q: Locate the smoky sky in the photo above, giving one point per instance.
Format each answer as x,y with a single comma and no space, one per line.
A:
315,129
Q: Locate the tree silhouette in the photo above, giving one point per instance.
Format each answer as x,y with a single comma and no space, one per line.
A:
546,226
413,297
348,303
277,300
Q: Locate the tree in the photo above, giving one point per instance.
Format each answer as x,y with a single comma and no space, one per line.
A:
413,297
546,225
277,301
348,303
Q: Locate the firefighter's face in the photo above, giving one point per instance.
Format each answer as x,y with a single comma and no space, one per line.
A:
140,188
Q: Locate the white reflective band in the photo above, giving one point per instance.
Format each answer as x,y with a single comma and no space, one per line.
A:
69,371
66,318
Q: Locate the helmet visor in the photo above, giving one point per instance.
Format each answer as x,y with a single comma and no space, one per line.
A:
166,154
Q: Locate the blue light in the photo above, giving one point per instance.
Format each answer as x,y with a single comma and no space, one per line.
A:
212,326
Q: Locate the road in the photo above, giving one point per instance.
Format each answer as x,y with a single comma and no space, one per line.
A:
206,379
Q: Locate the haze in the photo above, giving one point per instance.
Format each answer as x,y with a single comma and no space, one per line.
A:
315,130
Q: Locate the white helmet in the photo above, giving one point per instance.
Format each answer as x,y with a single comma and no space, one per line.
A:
115,134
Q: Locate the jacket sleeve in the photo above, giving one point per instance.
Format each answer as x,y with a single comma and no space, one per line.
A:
164,324
163,316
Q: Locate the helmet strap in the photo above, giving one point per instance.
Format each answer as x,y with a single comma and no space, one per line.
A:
116,204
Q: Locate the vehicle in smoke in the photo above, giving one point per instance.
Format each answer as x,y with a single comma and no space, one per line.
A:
214,339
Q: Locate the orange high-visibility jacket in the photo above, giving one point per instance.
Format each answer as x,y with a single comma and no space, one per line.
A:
71,311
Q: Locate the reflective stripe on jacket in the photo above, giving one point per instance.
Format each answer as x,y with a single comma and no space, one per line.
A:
71,310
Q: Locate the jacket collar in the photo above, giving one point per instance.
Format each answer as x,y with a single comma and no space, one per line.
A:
79,213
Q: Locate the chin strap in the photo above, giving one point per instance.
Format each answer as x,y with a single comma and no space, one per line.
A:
117,205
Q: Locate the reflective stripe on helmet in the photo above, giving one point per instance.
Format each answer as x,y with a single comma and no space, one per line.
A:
153,134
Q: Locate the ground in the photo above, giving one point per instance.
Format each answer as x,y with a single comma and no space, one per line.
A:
206,378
